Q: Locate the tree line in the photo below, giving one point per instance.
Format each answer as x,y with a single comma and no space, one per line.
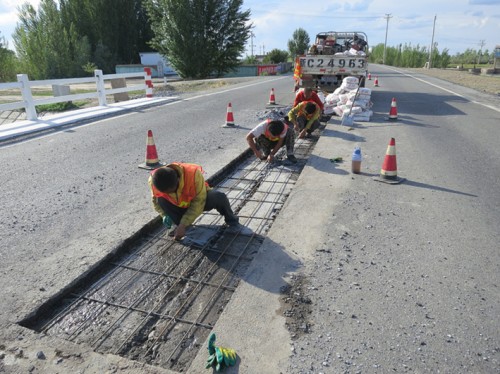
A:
203,38
72,38
417,56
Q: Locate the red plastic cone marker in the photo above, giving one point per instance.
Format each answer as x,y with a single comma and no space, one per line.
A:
272,99
152,161
389,171
229,116
375,83
393,113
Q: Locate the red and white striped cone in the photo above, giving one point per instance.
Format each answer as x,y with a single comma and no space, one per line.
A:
229,116
389,171
152,161
369,76
148,82
393,113
272,99
375,83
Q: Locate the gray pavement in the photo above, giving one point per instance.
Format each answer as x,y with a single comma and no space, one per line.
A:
394,285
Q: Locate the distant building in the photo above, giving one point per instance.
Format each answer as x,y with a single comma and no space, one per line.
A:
159,63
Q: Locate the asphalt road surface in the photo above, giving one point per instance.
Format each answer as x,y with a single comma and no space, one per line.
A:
401,278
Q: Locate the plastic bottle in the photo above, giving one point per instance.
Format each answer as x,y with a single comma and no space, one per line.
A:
356,160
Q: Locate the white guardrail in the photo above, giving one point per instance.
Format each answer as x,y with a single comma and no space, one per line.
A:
29,103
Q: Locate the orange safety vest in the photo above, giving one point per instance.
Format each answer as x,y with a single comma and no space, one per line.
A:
272,137
302,109
188,192
297,74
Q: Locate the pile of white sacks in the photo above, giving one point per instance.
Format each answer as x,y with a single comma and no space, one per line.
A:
348,100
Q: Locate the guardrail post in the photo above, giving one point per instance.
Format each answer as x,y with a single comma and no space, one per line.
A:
149,82
29,103
101,90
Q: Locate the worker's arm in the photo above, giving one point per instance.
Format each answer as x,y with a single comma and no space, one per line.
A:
318,101
292,116
251,143
275,150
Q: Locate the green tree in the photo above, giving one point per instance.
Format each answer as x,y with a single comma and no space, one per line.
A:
276,56
8,62
199,37
250,60
45,47
299,43
117,30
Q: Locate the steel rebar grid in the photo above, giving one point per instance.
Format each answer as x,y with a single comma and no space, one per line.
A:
242,190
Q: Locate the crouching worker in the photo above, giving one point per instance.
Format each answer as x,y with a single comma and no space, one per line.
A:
180,194
268,137
305,118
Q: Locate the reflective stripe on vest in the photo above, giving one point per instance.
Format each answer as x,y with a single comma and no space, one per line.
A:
272,137
302,109
189,190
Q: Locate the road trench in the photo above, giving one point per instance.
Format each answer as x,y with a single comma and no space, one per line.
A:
155,300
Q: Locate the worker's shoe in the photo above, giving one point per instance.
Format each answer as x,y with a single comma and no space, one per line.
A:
292,159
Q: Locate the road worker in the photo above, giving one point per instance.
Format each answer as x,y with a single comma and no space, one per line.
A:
308,94
268,137
305,118
180,194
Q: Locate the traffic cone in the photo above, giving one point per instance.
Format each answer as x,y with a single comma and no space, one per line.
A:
369,76
152,161
375,83
229,116
393,113
272,99
389,171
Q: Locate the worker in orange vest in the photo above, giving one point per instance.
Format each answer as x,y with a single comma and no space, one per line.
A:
308,94
180,194
268,137
305,118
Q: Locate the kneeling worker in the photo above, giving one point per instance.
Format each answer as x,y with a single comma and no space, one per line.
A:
305,117
268,137
181,194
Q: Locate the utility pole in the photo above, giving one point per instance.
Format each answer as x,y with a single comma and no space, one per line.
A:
432,43
252,35
387,17
481,45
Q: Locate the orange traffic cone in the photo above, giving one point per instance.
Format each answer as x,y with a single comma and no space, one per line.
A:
229,116
152,161
389,171
393,113
272,99
375,83
369,76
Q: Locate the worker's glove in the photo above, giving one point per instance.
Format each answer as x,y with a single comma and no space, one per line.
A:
167,221
219,357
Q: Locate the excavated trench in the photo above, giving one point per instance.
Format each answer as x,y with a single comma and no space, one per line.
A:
155,300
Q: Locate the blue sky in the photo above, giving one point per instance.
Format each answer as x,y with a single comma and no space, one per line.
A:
460,24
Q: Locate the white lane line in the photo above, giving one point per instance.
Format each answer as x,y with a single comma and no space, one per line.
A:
447,90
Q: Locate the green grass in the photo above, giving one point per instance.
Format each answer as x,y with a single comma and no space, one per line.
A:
61,107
